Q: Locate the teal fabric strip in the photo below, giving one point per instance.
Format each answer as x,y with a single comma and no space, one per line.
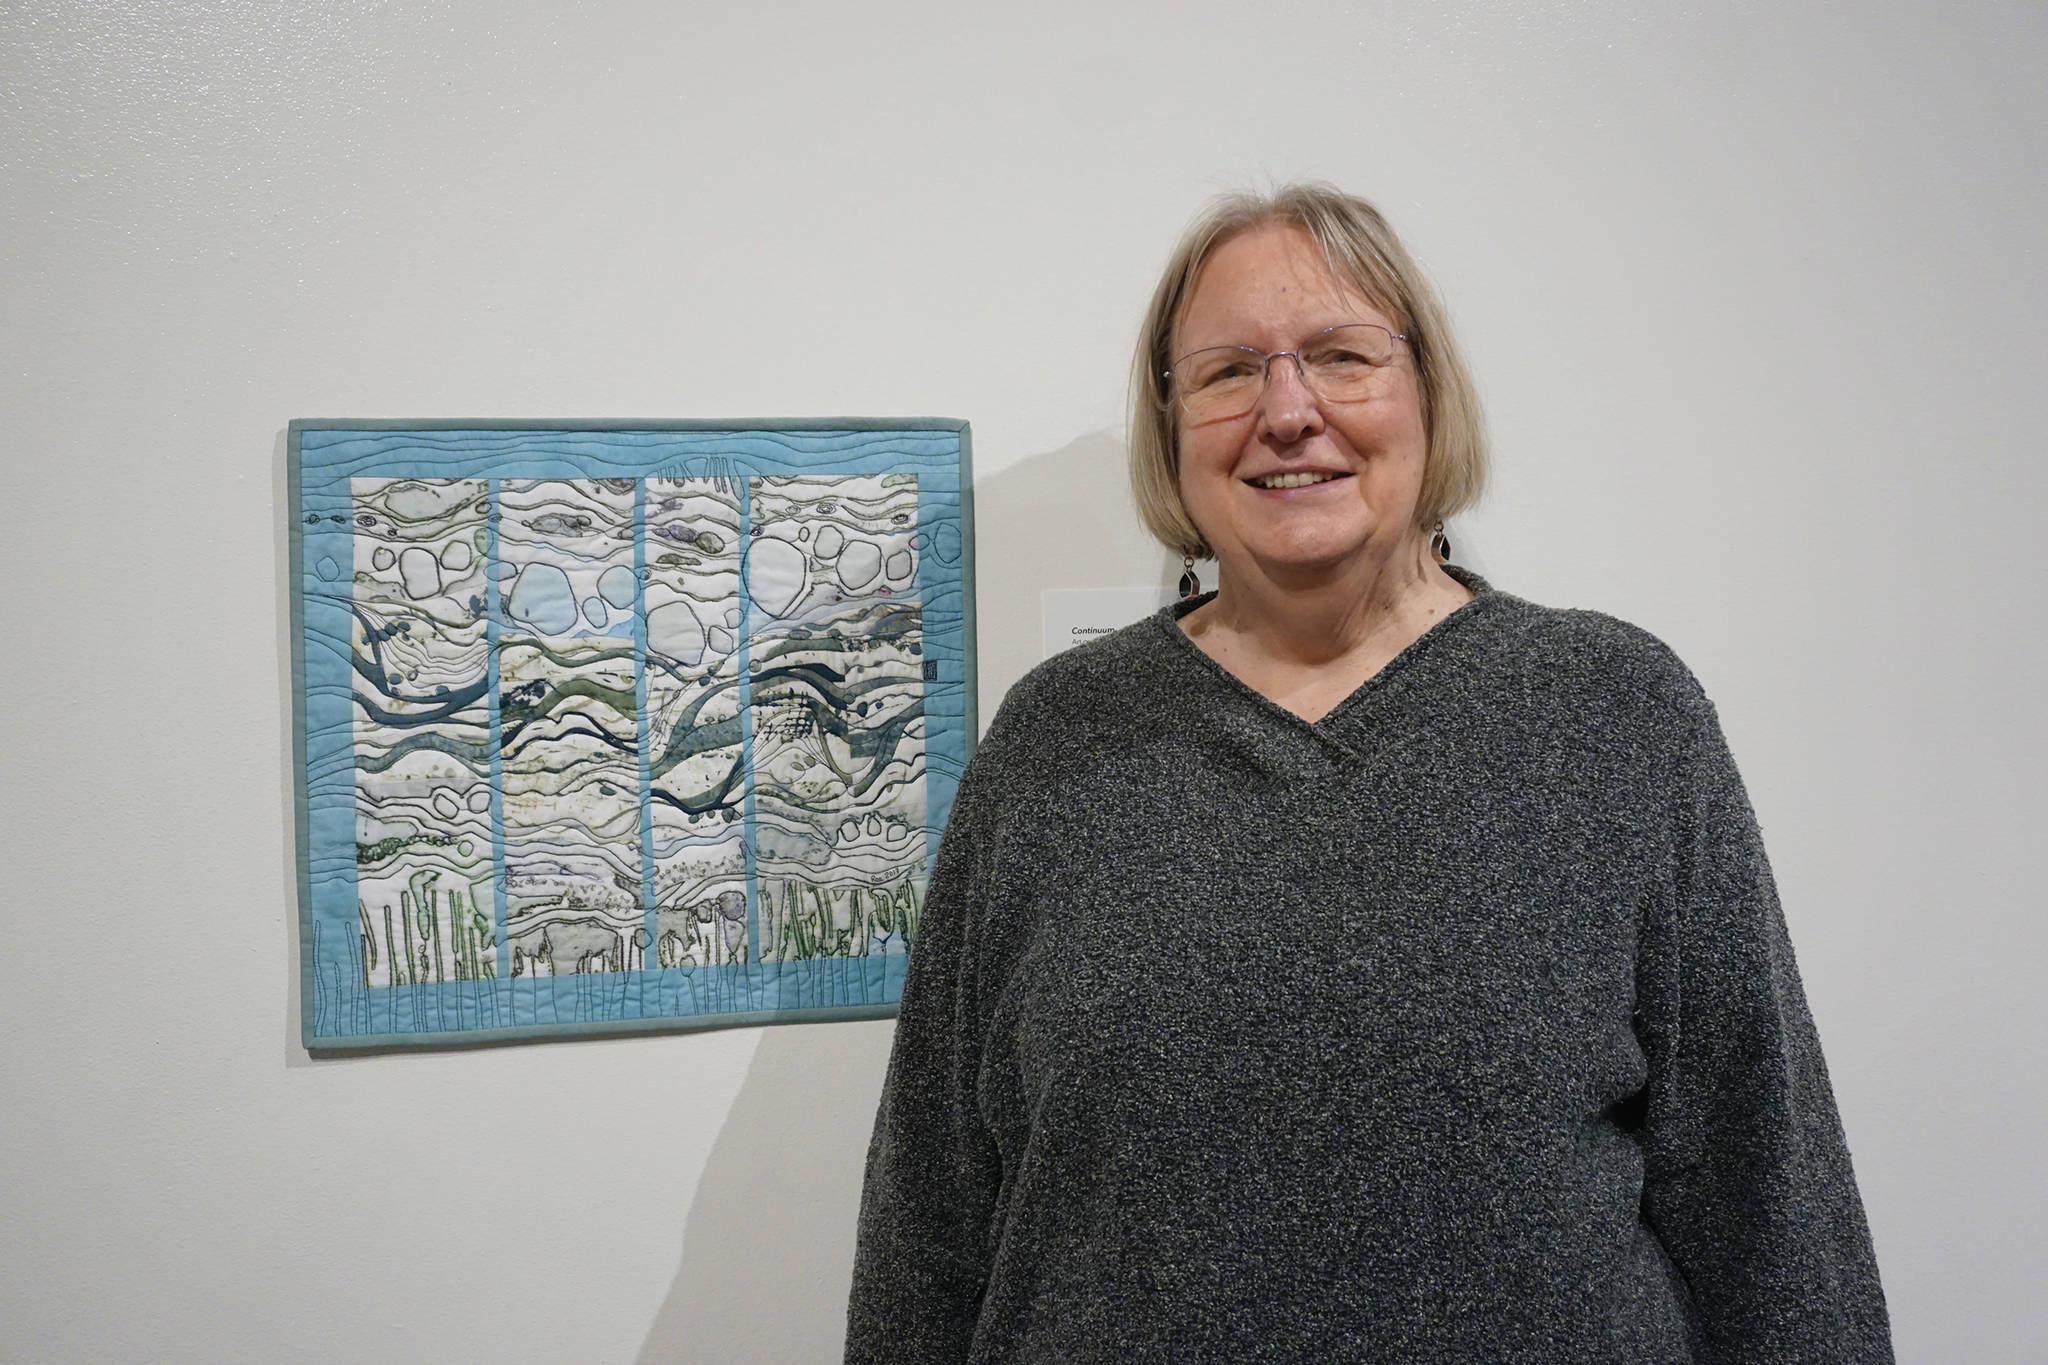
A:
540,1033
301,816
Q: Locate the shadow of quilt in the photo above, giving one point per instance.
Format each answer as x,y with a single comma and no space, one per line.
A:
768,1243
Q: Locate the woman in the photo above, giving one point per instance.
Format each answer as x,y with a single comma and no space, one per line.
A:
1357,962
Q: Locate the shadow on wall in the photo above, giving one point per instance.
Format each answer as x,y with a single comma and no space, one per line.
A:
768,1241
1060,520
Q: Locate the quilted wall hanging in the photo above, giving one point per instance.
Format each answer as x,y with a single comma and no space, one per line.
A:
606,727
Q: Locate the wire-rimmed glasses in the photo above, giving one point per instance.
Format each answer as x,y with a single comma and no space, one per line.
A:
1339,364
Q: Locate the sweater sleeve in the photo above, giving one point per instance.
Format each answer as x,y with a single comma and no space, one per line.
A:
933,1170
1747,1179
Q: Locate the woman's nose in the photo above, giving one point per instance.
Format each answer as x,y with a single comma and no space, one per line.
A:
1286,407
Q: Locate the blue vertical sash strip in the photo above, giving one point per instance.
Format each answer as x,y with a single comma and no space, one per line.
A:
946,630
650,955
497,739
746,697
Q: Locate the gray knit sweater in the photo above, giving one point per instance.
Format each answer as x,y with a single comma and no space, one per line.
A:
1460,1025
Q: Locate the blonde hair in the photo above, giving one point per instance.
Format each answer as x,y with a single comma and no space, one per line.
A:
1362,250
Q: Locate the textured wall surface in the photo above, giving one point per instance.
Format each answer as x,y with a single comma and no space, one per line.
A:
1752,291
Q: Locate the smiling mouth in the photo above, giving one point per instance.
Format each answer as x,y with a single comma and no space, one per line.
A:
1302,480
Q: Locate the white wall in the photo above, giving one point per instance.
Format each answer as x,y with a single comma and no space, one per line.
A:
1753,291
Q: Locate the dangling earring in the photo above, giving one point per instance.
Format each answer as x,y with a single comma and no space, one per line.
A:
1440,544
1190,586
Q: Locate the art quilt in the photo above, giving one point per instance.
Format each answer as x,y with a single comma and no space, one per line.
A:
612,727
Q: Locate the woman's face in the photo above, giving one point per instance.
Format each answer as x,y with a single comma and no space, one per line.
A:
1268,288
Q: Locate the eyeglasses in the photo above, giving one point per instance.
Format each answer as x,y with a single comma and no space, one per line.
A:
1338,364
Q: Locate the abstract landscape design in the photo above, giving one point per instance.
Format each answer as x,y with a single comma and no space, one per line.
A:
621,728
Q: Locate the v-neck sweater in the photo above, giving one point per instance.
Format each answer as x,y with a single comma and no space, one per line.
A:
1461,1024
